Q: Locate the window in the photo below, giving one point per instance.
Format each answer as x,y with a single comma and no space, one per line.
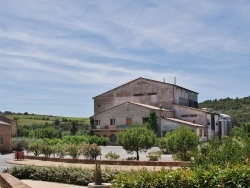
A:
112,121
184,115
128,121
138,94
97,122
152,94
200,132
1,141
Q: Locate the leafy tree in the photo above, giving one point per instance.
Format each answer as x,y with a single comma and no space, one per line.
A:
181,141
91,151
152,121
56,122
137,139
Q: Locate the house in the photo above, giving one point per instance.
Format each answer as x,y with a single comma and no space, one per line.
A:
8,130
131,103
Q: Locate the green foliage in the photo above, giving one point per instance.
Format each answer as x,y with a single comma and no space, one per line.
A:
101,141
91,151
19,143
35,146
163,145
237,108
154,155
137,139
112,155
152,121
76,139
61,174
48,132
60,150
225,152
73,150
235,176
181,142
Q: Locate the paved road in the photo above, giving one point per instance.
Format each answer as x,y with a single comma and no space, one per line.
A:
3,159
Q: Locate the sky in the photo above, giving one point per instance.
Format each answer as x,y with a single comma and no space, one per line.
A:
56,55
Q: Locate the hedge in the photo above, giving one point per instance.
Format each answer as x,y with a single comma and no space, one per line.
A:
61,174
236,176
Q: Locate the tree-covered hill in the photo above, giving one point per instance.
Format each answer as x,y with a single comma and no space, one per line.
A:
238,109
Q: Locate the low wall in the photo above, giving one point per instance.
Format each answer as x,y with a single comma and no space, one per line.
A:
9,181
115,162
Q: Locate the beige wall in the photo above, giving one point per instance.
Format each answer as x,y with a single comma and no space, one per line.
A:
120,113
190,114
153,93
5,135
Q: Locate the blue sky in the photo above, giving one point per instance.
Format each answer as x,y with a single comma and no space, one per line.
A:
55,55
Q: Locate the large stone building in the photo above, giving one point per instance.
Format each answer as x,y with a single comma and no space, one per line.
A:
132,102
8,130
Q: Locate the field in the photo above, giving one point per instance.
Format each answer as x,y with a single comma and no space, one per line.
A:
30,119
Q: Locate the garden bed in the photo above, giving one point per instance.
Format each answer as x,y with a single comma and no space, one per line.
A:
113,162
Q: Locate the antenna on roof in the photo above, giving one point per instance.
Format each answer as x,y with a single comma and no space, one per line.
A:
174,80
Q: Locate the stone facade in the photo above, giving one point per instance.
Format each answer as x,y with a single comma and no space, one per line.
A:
8,130
131,103
146,91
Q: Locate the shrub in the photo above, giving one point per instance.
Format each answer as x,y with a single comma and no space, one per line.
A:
214,176
91,151
154,155
74,151
112,155
61,174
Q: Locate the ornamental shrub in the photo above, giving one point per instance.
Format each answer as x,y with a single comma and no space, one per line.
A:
91,151
112,155
61,174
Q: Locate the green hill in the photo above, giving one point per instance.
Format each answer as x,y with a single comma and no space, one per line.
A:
238,109
36,119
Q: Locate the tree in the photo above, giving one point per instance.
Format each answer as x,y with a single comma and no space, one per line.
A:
137,139
73,128
152,121
181,141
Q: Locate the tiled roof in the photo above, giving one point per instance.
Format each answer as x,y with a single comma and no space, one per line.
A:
149,106
185,122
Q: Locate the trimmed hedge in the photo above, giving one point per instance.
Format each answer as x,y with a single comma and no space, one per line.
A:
214,176
61,174
236,176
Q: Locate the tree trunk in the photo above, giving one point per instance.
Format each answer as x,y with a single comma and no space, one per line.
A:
137,155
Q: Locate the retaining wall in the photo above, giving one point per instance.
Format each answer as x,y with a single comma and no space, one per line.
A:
9,181
114,162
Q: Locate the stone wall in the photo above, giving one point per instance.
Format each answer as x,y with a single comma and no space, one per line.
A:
140,90
5,136
9,181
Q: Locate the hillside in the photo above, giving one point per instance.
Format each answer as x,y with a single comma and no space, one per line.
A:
36,119
238,109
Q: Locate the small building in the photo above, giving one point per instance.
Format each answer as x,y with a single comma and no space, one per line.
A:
131,103
8,130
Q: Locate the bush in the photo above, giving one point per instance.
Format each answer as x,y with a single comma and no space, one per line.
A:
91,151
74,151
154,155
61,174
235,176
112,155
